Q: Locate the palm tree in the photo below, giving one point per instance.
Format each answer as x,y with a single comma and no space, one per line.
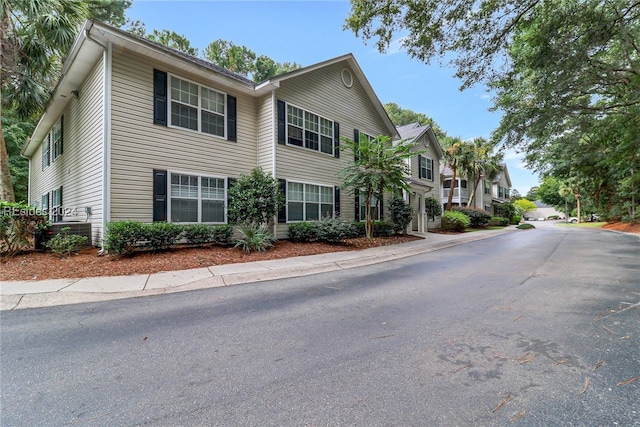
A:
458,155
379,166
34,35
482,163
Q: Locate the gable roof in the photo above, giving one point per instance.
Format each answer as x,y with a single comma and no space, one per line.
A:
415,131
351,61
93,39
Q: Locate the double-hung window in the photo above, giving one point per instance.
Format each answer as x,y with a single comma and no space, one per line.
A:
309,202
197,108
46,152
56,139
487,187
308,130
425,165
196,198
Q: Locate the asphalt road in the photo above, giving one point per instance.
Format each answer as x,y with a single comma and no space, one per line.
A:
529,328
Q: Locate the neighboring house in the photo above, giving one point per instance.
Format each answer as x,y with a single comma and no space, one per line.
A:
493,192
138,131
543,211
460,187
488,193
425,176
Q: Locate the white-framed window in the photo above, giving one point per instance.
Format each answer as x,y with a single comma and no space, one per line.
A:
45,203
197,107
56,139
309,202
375,213
309,130
487,187
197,199
425,165
56,204
46,151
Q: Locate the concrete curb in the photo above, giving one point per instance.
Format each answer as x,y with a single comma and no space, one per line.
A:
76,291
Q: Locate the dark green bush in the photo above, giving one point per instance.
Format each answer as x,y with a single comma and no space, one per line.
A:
525,226
223,234
19,223
64,244
384,228
380,228
505,210
551,217
515,220
161,235
335,230
303,231
498,221
124,237
455,221
478,217
400,214
204,234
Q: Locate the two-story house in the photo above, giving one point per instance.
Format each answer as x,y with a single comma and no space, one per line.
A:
137,131
425,177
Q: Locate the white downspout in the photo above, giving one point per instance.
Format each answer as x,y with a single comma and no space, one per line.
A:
274,142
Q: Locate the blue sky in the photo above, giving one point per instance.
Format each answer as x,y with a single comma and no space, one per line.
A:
308,32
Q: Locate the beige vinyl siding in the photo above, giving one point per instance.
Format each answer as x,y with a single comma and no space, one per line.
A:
138,146
430,153
322,92
79,169
267,128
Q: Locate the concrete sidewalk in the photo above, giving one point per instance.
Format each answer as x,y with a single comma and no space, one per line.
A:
46,293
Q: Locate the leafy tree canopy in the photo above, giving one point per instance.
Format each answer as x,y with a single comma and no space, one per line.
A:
400,116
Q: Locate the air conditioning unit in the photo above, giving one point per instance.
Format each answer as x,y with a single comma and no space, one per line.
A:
79,228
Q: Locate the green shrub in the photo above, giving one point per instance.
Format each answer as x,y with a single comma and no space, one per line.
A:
525,226
432,206
400,214
384,228
64,244
550,217
455,221
361,228
478,217
505,210
516,219
161,235
497,221
198,234
222,234
335,230
255,198
303,231
124,237
254,238
19,224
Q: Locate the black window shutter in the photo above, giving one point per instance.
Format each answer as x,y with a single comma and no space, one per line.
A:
230,182
232,129
420,166
159,98
357,207
336,140
336,202
282,120
61,143
381,207
57,217
282,213
159,195
356,139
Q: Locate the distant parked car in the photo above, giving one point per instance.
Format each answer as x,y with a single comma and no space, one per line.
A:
542,218
589,218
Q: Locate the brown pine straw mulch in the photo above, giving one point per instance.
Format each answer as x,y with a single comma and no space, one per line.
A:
43,266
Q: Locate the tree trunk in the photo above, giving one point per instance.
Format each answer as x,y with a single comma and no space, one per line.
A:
6,186
451,189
